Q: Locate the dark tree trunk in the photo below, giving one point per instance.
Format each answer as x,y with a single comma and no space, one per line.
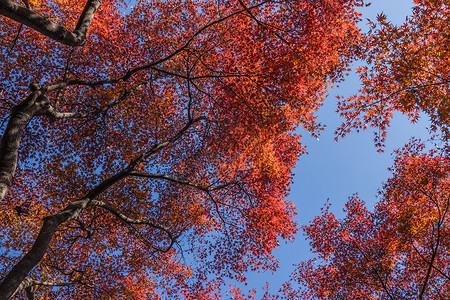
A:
12,282
23,15
33,105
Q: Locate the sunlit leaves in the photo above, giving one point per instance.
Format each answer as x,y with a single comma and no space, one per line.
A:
398,251
407,71
253,71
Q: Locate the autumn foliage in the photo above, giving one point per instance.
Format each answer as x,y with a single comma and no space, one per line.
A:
147,148
407,70
398,250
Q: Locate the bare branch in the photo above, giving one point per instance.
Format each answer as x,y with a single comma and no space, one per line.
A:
129,220
179,181
96,203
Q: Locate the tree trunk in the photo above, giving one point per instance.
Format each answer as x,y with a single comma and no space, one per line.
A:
12,282
21,115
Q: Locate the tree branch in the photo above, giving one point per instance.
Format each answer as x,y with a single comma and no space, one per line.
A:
96,203
35,104
28,284
129,220
152,64
14,279
48,28
428,263
19,272
179,181
377,274
52,113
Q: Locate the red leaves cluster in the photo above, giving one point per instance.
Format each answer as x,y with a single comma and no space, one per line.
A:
251,71
398,251
407,70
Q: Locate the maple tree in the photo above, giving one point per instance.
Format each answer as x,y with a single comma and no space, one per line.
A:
398,251
407,70
149,150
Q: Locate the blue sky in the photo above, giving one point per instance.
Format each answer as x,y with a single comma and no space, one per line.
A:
336,170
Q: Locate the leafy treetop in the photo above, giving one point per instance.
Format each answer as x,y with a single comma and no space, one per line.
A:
407,70
398,251
154,156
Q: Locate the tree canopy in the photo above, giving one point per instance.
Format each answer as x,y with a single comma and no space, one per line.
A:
398,251
147,147
407,70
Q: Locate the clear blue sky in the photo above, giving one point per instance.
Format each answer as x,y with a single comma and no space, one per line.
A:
336,170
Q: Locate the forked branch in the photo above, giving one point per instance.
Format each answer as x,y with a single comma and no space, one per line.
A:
59,33
20,271
130,221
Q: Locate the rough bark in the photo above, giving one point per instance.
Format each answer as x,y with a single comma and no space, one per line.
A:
59,33
21,115
12,282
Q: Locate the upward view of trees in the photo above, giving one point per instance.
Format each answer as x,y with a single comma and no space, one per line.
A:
400,249
147,147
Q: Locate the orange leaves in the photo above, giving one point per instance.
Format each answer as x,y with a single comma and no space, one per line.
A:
216,192
390,250
408,71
